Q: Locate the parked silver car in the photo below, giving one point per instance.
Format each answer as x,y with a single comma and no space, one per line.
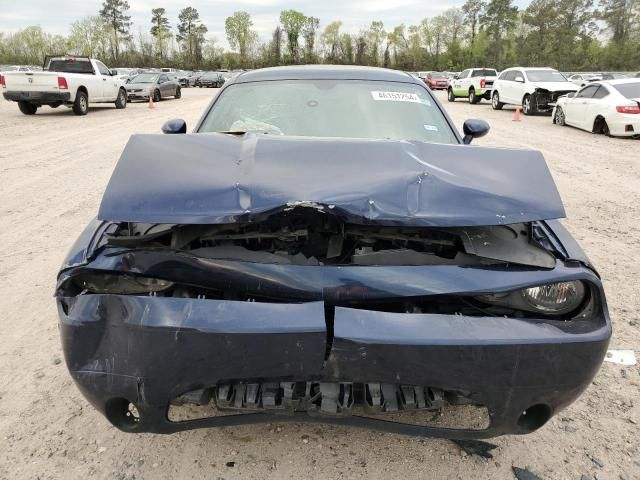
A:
155,85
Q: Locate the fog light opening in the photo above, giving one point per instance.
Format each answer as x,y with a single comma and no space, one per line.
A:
534,417
123,414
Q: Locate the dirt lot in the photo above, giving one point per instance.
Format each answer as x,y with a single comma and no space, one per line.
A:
53,170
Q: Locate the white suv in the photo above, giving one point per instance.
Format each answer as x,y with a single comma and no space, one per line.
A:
536,89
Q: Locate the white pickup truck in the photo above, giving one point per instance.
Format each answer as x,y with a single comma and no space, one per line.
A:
473,83
65,80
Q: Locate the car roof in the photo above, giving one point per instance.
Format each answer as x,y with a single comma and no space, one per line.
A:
324,72
530,68
619,81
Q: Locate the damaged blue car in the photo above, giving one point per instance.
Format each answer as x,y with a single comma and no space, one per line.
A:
326,247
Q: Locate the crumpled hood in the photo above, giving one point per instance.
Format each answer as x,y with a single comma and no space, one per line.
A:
218,178
556,86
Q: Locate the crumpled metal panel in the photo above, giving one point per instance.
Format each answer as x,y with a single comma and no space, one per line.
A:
217,178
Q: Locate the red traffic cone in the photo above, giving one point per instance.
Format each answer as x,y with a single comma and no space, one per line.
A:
151,105
516,115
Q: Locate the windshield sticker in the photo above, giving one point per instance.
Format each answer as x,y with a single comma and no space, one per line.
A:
396,97
431,128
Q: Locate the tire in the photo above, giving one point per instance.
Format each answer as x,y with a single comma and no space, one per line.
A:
496,104
602,127
450,96
178,93
121,101
559,118
527,106
27,108
81,104
156,96
473,98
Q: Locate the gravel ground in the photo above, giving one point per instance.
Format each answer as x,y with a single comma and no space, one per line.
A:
53,170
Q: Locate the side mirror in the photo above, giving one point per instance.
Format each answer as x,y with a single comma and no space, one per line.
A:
520,79
172,127
474,128
571,95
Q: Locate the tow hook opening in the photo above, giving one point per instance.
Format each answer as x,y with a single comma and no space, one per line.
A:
123,414
534,417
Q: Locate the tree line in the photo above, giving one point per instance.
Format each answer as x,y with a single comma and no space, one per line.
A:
571,35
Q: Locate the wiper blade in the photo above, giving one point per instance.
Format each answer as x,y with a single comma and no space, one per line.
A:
233,132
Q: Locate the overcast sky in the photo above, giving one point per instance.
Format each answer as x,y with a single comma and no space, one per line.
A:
55,16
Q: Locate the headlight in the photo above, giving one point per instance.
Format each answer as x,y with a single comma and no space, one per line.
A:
551,299
108,283
556,298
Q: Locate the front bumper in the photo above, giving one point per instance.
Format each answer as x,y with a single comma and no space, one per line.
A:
151,350
138,95
40,98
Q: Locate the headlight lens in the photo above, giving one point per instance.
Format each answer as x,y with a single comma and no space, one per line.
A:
106,283
556,298
551,299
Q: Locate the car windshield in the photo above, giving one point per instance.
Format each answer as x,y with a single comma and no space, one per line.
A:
438,76
484,73
145,78
330,108
629,90
70,65
545,76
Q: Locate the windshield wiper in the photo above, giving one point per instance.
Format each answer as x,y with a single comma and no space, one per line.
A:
233,132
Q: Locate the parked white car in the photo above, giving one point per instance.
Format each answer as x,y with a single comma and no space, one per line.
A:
70,81
536,89
609,107
581,79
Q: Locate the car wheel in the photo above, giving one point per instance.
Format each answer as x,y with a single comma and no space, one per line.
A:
27,108
178,93
603,128
121,101
496,104
527,105
81,104
473,98
156,96
450,96
559,118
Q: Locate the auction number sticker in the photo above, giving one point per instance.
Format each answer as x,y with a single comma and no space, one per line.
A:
396,97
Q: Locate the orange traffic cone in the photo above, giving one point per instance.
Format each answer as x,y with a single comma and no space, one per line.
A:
151,105
516,115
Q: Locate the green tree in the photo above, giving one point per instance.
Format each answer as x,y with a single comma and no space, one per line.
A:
619,15
239,33
276,46
397,41
473,10
191,34
499,20
160,29
375,36
331,39
541,19
309,34
90,37
293,22
113,13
